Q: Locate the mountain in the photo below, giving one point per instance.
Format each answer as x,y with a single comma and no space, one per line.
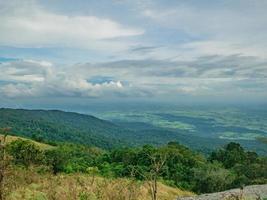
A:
60,126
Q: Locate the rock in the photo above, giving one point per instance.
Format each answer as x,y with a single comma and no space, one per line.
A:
256,192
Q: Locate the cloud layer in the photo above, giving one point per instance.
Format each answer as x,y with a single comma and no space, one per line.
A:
206,76
28,78
26,24
133,49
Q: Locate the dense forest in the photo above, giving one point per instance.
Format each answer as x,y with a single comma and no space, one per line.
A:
61,126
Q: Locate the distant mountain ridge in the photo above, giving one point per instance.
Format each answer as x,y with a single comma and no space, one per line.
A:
61,126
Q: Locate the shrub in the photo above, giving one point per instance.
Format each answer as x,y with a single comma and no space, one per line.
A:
25,152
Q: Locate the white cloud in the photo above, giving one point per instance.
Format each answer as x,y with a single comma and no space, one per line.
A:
29,78
207,76
18,90
223,48
235,19
27,24
234,27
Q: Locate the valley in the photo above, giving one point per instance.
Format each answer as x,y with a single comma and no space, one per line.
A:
202,129
200,123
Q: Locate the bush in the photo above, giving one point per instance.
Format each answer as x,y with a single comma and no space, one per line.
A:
25,153
211,177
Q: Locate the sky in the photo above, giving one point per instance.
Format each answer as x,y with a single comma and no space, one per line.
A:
122,50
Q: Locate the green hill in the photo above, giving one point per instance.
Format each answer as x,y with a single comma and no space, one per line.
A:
59,126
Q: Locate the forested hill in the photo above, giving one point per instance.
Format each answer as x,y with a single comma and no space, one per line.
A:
59,126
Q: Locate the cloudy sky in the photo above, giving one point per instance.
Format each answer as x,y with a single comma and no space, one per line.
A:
125,49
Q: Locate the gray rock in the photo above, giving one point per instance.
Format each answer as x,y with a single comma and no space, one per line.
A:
256,192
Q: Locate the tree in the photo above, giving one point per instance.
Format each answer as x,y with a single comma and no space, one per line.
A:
157,162
248,167
232,154
93,171
25,152
212,177
56,159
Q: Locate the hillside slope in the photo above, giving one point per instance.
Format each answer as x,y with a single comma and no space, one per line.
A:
42,146
60,126
54,125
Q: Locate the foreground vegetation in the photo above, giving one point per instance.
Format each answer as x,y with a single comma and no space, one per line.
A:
26,184
27,168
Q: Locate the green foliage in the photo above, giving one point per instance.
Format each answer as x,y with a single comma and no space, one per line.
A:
248,167
71,158
232,154
212,177
25,152
225,168
62,126
92,171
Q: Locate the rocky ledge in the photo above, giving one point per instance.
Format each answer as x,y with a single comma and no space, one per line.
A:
253,192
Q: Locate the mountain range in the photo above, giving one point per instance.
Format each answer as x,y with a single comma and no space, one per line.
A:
61,126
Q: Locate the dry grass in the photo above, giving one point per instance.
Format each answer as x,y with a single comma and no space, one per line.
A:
28,184
42,146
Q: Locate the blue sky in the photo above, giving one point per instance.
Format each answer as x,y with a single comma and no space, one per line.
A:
142,49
